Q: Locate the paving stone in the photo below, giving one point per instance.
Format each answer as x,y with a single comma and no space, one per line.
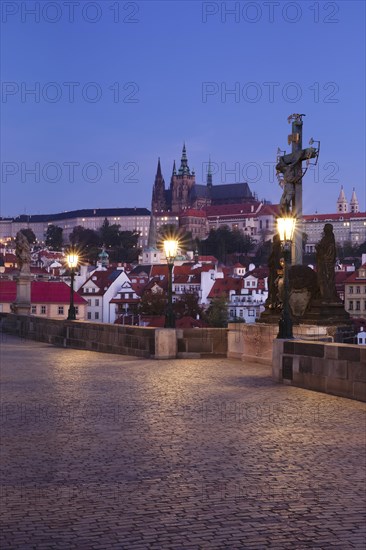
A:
104,451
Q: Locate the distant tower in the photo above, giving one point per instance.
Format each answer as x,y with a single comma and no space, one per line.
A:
342,204
209,174
103,259
158,203
181,184
353,203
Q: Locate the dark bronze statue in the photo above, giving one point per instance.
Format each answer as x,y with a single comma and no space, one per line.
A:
290,167
325,264
274,265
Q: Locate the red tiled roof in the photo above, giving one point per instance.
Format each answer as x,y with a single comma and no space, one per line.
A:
210,259
269,210
355,277
160,269
232,209
223,286
192,212
338,216
42,292
258,273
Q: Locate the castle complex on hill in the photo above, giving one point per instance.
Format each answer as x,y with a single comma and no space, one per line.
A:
197,208
185,193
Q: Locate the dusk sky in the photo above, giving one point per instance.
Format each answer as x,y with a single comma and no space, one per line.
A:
118,84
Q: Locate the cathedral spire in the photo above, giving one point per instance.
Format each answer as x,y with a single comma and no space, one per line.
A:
174,173
158,171
209,174
342,204
184,168
353,203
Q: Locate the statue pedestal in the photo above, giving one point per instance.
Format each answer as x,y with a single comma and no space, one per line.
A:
22,304
326,313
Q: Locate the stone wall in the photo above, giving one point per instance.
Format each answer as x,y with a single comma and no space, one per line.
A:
149,342
338,369
254,342
202,341
137,341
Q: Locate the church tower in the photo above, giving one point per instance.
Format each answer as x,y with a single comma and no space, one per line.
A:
342,204
209,174
353,203
181,184
158,202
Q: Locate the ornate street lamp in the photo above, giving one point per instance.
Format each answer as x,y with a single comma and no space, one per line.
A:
72,261
170,249
286,229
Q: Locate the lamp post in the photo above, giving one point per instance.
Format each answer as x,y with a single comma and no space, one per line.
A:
72,261
170,249
286,229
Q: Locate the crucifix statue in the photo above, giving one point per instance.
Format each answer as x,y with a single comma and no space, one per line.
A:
290,173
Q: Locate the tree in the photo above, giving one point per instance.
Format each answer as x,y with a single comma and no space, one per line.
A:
153,303
110,235
346,250
30,236
128,249
54,237
263,252
84,237
222,241
361,249
188,305
217,314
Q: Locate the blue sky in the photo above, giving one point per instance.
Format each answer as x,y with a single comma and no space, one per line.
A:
120,83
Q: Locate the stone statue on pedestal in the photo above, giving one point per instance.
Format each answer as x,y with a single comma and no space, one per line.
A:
22,304
325,265
22,252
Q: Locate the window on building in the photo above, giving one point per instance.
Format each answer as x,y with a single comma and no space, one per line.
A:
89,315
89,302
96,316
251,312
240,313
60,310
350,305
77,310
267,224
260,224
358,305
34,310
351,289
43,310
97,301
358,290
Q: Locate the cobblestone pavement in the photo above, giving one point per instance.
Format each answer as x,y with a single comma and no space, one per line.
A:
103,451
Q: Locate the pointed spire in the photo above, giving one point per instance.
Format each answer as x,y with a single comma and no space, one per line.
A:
174,173
184,168
342,196
209,173
342,204
158,171
354,206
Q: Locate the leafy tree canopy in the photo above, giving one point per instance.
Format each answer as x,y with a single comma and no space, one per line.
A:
54,237
30,236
